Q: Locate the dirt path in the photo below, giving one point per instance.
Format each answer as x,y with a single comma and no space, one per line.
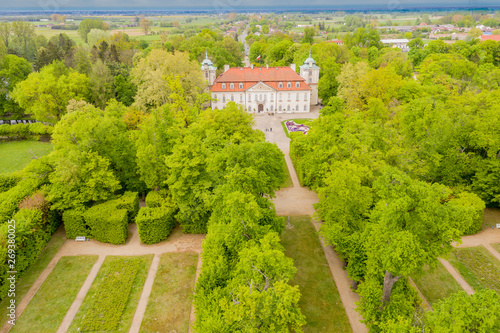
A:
146,291
426,304
484,238
465,286
192,315
177,243
73,310
299,200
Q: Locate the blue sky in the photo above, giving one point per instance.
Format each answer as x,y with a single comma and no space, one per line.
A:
227,4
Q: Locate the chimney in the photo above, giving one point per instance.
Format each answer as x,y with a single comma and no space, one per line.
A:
226,68
251,66
292,66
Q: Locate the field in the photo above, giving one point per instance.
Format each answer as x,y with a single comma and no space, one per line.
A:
169,304
16,155
437,284
478,267
320,301
112,299
31,274
54,297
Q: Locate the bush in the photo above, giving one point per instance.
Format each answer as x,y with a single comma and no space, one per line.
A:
9,200
25,131
154,199
130,202
74,223
155,224
8,181
30,239
107,223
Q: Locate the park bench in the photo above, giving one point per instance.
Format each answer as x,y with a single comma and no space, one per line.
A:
80,238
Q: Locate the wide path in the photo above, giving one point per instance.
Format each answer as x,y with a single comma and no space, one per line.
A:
298,200
176,243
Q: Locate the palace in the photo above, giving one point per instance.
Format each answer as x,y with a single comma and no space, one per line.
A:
264,89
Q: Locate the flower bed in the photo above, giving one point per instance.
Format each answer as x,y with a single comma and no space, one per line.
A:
293,127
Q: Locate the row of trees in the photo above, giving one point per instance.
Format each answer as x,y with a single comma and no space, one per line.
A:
403,167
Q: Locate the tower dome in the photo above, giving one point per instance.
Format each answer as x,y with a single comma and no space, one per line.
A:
310,60
207,62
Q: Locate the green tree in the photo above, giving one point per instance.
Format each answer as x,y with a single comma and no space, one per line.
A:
87,25
13,70
308,36
125,90
101,84
46,94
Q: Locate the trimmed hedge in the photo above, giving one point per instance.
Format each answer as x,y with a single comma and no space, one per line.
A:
154,199
9,180
9,200
74,223
130,202
107,223
25,131
155,224
30,239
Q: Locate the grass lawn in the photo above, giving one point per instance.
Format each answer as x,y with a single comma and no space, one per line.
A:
16,155
496,247
48,307
169,304
33,272
437,284
320,301
478,267
114,295
491,217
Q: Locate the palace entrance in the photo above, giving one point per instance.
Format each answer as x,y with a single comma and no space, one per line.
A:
261,107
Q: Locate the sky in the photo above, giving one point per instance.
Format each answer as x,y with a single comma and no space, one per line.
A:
219,5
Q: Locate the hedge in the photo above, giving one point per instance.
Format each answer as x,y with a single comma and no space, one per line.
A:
154,199
107,223
25,131
130,202
74,223
9,200
9,180
30,239
155,224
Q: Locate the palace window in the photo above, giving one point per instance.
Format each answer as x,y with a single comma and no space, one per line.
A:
240,85
297,96
231,86
297,107
310,80
249,97
289,84
272,97
305,107
279,108
232,98
223,98
272,107
288,108
289,97
206,75
223,86
241,97
280,98
280,85
249,108
297,84
305,97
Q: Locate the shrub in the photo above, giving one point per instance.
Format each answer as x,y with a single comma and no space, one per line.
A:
25,131
74,223
107,223
9,200
8,181
154,199
51,219
30,239
155,224
130,202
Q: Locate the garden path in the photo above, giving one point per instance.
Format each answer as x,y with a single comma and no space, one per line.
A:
298,200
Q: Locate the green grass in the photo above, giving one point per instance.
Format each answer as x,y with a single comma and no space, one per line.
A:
33,272
16,155
307,122
320,301
478,267
169,304
490,218
48,307
109,289
496,247
436,284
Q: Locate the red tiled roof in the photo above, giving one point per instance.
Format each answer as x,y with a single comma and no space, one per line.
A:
491,37
250,76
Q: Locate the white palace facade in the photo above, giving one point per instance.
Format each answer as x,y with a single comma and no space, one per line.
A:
264,89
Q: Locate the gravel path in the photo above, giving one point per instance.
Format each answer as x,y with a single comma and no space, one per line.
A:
456,275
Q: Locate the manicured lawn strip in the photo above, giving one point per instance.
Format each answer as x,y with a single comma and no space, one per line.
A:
110,304
169,304
33,272
48,307
496,247
437,284
478,267
15,155
320,301
491,217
